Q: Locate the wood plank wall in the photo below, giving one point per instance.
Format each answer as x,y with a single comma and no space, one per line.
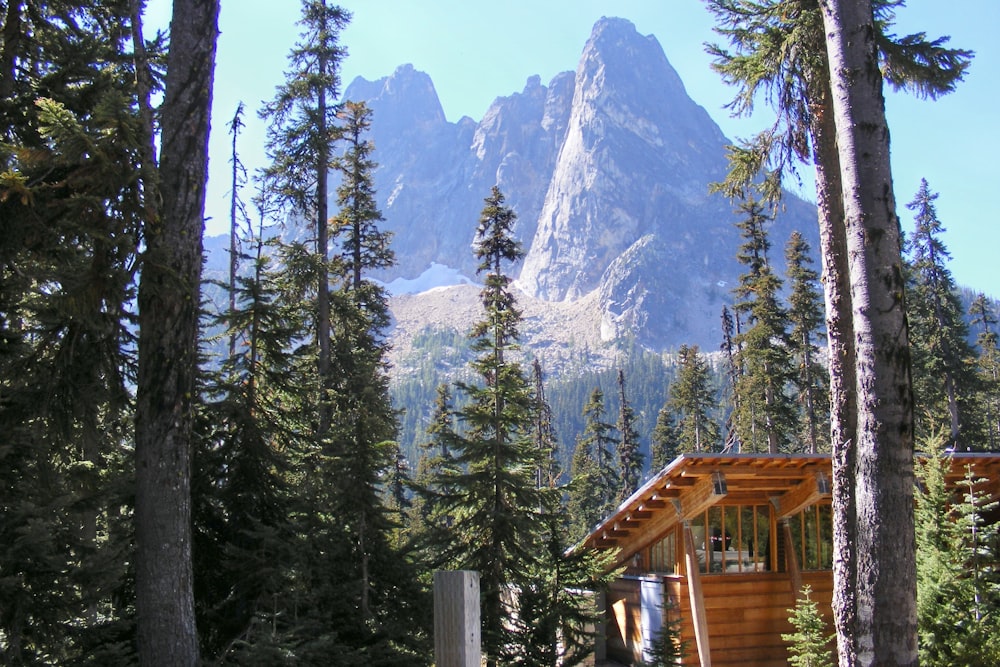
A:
746,613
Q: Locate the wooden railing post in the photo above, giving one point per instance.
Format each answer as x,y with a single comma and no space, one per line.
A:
456,619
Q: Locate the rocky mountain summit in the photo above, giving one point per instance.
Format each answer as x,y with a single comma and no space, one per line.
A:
608,169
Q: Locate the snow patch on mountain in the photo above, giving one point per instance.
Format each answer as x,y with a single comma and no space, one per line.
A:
435,276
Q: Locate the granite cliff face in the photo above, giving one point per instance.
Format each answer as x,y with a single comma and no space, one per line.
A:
607,169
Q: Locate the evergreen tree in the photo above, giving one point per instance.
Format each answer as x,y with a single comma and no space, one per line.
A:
364,428
429,517
791,51
988,364
957,607
668,646
300,138
805,314
809,645
168,301
663,443
549,470
243,459
557,611
70,219
766,413
593,490
730,329
690,403
943,375
499,516
629,454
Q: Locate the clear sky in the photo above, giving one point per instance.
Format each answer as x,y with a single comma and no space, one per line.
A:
477,50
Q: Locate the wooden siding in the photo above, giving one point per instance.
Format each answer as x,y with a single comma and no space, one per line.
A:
746,614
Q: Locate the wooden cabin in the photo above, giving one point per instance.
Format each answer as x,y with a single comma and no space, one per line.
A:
726,542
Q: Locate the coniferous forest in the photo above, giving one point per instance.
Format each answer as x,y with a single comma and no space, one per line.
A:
240,480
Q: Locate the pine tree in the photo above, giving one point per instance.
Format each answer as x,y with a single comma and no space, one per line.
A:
593,490
546,443
300,138
809,645
241,487
168,300
805,315
629,453
429,517
957,607
766,414
690,404
668,646
499,516
69,163
663,443
789,50
988,364
943,379
364,428
557,610
731,329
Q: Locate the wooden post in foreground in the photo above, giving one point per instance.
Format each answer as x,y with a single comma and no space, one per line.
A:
456,619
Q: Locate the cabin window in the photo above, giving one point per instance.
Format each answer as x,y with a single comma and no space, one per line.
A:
812,535
663,554
732,539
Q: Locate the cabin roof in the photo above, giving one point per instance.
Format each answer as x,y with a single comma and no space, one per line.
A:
692,483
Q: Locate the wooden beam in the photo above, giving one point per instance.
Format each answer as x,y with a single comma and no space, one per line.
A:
791,559
653,504
697,598
709,490
807,492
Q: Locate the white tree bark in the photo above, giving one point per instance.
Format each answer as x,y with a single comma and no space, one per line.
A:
875,599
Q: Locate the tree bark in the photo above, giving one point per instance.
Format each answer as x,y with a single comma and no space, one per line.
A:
874,575
168,346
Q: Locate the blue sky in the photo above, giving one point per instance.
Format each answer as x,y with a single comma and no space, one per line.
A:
476,50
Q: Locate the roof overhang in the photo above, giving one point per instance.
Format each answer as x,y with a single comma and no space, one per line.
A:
692,483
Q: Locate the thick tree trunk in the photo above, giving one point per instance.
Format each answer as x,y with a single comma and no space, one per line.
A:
874,594
168,346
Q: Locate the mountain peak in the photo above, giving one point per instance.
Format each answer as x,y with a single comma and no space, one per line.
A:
407,88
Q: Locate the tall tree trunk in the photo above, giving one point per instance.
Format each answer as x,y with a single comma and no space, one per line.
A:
837,297
875,600
323,325
168,346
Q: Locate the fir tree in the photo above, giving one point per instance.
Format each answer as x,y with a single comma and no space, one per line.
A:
300,138
663,443
168,303
782,53
766,414
809,645
594,478
499,516
240,488
429,517
805,315
546,443
957,606
988,364
629,454
943,380
690,403
364,428
70,205
731,329
668,646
